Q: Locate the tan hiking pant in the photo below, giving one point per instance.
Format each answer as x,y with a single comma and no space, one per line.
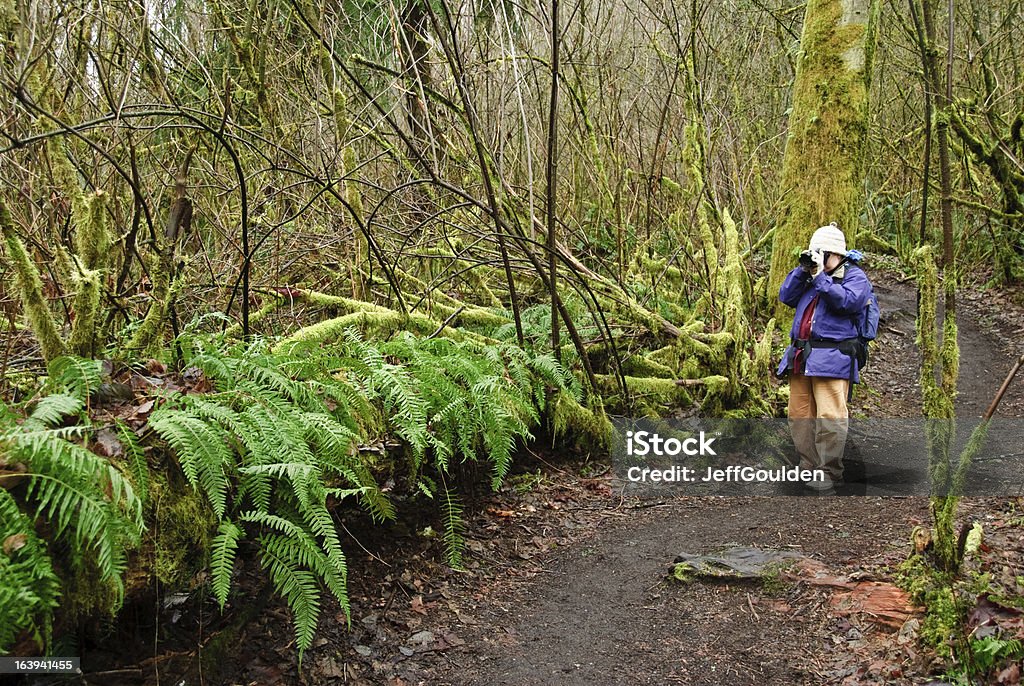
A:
819,421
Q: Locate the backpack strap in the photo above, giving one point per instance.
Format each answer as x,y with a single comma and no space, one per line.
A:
848,346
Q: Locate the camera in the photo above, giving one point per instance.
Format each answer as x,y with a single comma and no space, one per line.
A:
806,260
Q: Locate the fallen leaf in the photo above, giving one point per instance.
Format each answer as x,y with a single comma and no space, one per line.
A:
108,444
155,367
1010,675
330,668
14,543
452,640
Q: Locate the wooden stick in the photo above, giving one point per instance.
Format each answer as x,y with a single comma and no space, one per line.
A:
446,322
1002,390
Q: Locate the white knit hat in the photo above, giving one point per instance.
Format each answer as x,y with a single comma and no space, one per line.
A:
830,239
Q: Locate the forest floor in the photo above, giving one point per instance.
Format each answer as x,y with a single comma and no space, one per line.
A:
567,577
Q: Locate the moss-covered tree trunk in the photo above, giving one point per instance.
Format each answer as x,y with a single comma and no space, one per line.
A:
822,169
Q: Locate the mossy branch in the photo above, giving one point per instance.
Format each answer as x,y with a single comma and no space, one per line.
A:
83,341
92,236
146,340
366,316
26,274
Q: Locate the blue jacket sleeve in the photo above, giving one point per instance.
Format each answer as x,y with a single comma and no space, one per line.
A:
847,297
794,286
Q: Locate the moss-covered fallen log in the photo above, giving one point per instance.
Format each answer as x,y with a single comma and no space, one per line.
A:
374,319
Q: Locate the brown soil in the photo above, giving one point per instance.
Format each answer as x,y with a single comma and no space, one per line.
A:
567,578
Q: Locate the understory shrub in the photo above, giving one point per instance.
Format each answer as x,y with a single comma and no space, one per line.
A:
271,441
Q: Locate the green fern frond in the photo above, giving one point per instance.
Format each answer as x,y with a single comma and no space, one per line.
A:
135,455
296,563
501,447
454,528
278,439
85,498
298,587
202,452
216,368
29,589
52,409
222,559
78,376
426,486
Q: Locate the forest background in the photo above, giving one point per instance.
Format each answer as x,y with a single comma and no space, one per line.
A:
320,225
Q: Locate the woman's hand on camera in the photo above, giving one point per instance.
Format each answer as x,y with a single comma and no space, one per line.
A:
819,261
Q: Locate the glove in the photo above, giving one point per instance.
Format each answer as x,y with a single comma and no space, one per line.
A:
819,261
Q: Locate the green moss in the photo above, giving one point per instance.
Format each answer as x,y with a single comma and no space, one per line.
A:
268,308
869,241
92,237
946,598
83,340
941,621
26,275
937,403
683,573
932,590
383,321
771,580
734,308
182,526
641,365
379,322
587,427
660,269
949,354
939,372
88,594
147,339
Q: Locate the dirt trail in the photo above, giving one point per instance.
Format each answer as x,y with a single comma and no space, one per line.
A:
604,614
601,611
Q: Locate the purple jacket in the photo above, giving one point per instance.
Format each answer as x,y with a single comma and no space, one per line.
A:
835,318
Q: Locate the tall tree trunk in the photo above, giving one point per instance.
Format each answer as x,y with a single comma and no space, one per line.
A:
413,54
941,407
552,181
822,170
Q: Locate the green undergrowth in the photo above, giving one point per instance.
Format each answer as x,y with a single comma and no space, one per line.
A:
265,446
73,511
934,590
947,599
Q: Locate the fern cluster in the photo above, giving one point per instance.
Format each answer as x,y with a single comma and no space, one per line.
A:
272,443
92,513
480,404
28,586
268,447
279,436
453,401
